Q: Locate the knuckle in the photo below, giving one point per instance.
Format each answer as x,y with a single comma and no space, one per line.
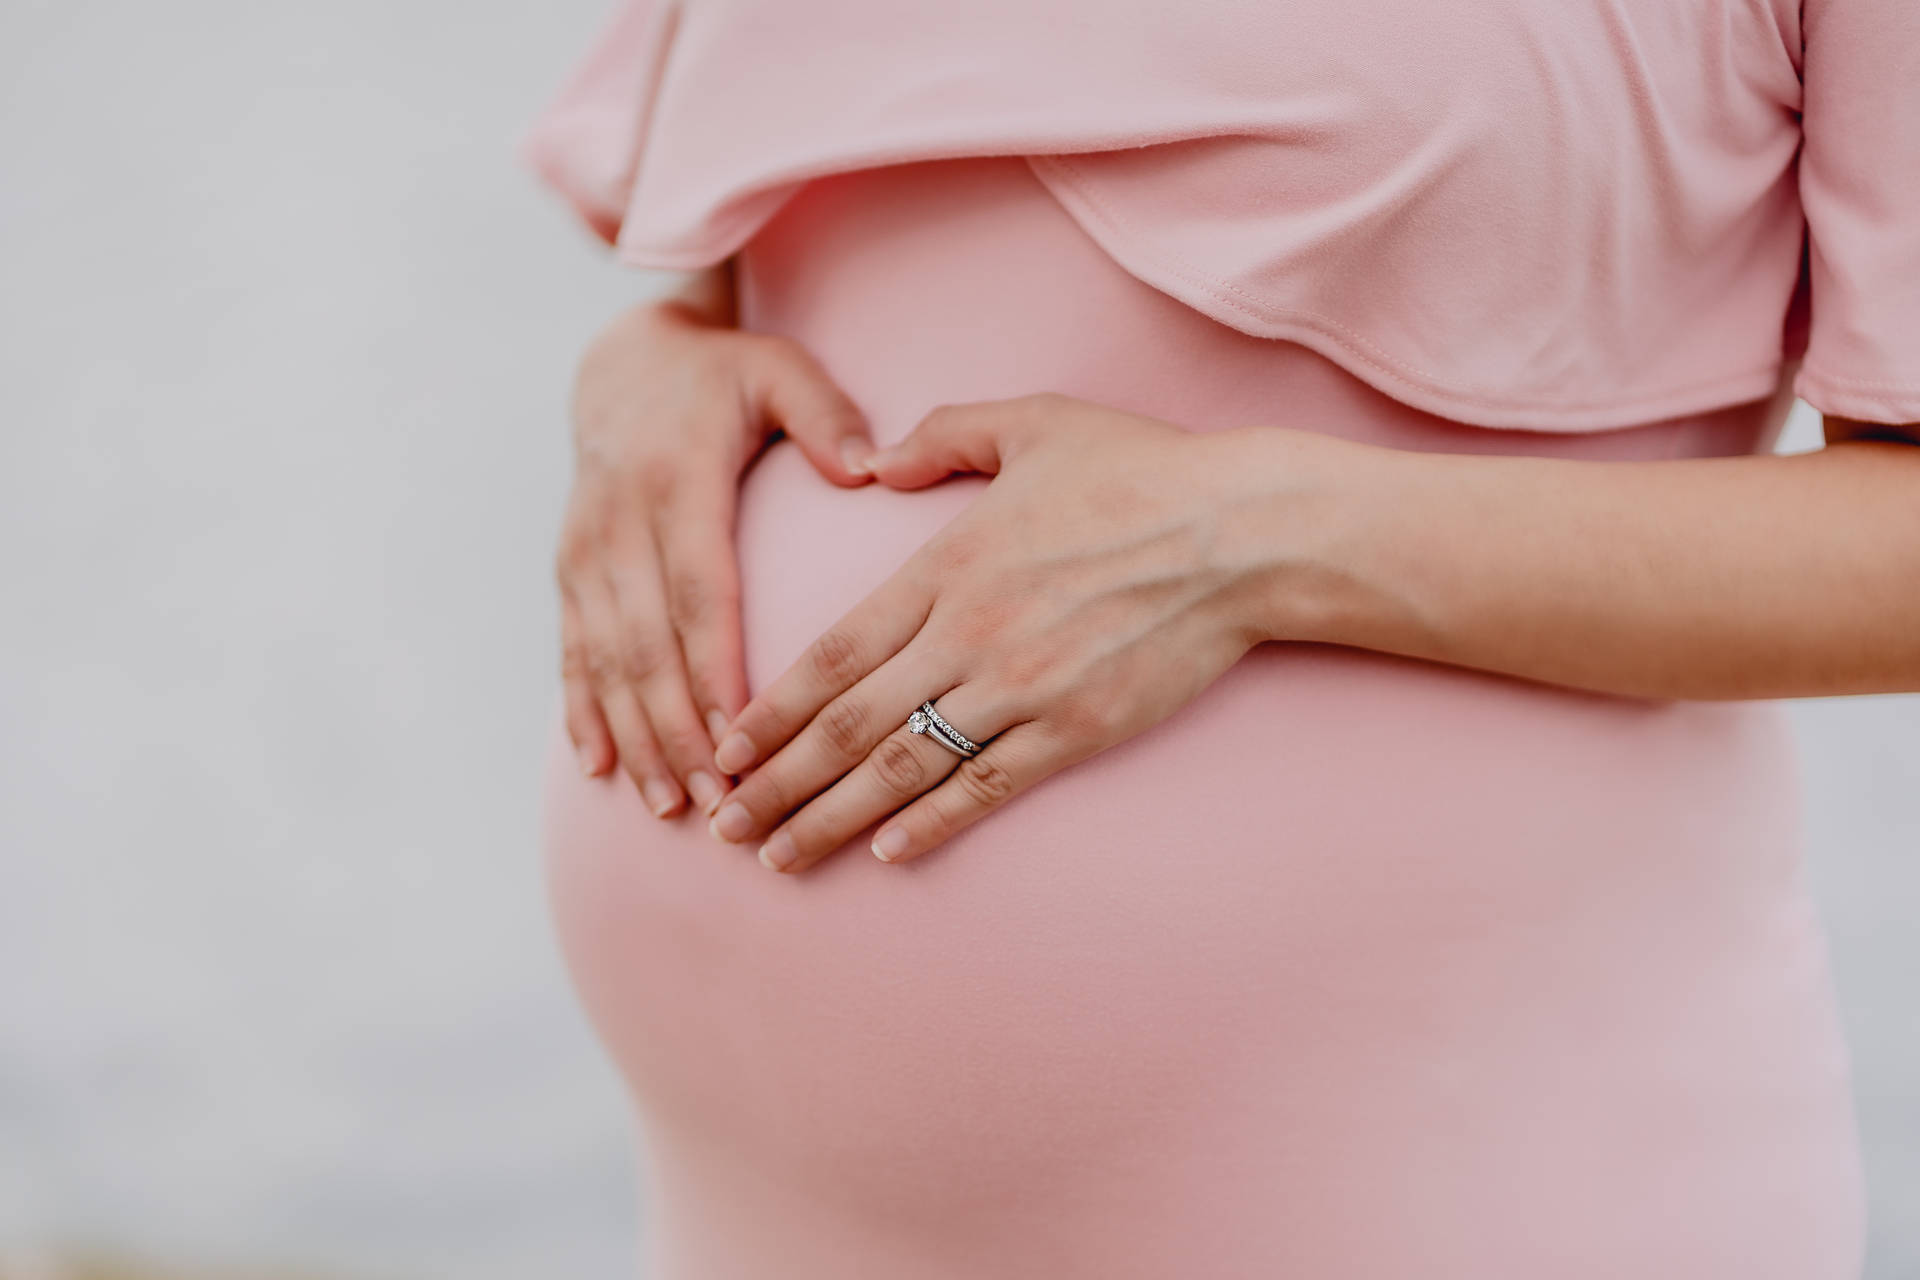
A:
706,684
1116,717
835,657
843,726
985,781
683,744
637,750
599,666
765,795
693,599
575,549
899,767
938,815
655,477
641,659
839,419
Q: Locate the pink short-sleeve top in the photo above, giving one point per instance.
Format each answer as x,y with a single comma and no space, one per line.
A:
1549,216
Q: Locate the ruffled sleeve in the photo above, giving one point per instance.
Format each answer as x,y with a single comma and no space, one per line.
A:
586,143
1552,221
1860,187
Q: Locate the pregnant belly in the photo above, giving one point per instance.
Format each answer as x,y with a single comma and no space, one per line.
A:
1358,965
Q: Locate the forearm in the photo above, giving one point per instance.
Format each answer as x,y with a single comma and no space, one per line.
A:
1749,577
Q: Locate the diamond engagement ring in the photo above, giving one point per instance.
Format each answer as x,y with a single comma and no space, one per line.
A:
928,721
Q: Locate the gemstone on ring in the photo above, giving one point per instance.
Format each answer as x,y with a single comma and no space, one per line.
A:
928,721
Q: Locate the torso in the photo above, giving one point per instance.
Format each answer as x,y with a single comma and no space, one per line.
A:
1356,967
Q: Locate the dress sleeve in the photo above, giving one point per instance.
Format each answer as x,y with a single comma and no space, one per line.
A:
585,144
1860,187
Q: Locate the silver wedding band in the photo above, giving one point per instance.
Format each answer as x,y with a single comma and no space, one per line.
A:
930,722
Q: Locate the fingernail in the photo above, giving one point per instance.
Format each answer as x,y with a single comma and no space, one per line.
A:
589,761
716,725
706,791
661,796
778,852
889,844
731,824
880,457
734,754
857,455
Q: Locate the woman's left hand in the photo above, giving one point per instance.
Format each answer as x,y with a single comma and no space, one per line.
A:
1109,573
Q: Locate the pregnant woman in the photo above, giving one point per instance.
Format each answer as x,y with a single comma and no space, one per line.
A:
1261,517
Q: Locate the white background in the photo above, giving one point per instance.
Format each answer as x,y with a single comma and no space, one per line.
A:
284,340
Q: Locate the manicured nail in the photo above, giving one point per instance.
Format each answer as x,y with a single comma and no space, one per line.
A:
778,852
889,844
706,790
735,753
716,725
731,824
661,796
857,455
589,761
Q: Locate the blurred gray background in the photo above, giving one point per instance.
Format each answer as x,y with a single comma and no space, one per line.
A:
284,340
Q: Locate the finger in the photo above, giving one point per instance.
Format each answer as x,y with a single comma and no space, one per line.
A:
619,710
871,633
703,602
586,727
1011,763
655,675
959,438
799,396
831,745
902,768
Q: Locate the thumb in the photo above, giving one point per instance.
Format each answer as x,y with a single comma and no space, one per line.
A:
953,440
797,394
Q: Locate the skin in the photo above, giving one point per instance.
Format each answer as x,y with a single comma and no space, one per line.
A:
670,404
1118,564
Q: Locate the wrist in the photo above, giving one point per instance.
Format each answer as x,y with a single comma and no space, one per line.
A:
1303,516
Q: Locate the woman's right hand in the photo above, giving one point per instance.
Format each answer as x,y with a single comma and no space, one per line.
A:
669,405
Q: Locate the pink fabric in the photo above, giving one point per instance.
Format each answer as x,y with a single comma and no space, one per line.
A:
1562,217
1860,184
1357,968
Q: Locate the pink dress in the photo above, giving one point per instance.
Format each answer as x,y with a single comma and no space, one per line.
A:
1357,967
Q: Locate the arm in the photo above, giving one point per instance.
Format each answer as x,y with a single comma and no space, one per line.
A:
1752,577
1117,565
